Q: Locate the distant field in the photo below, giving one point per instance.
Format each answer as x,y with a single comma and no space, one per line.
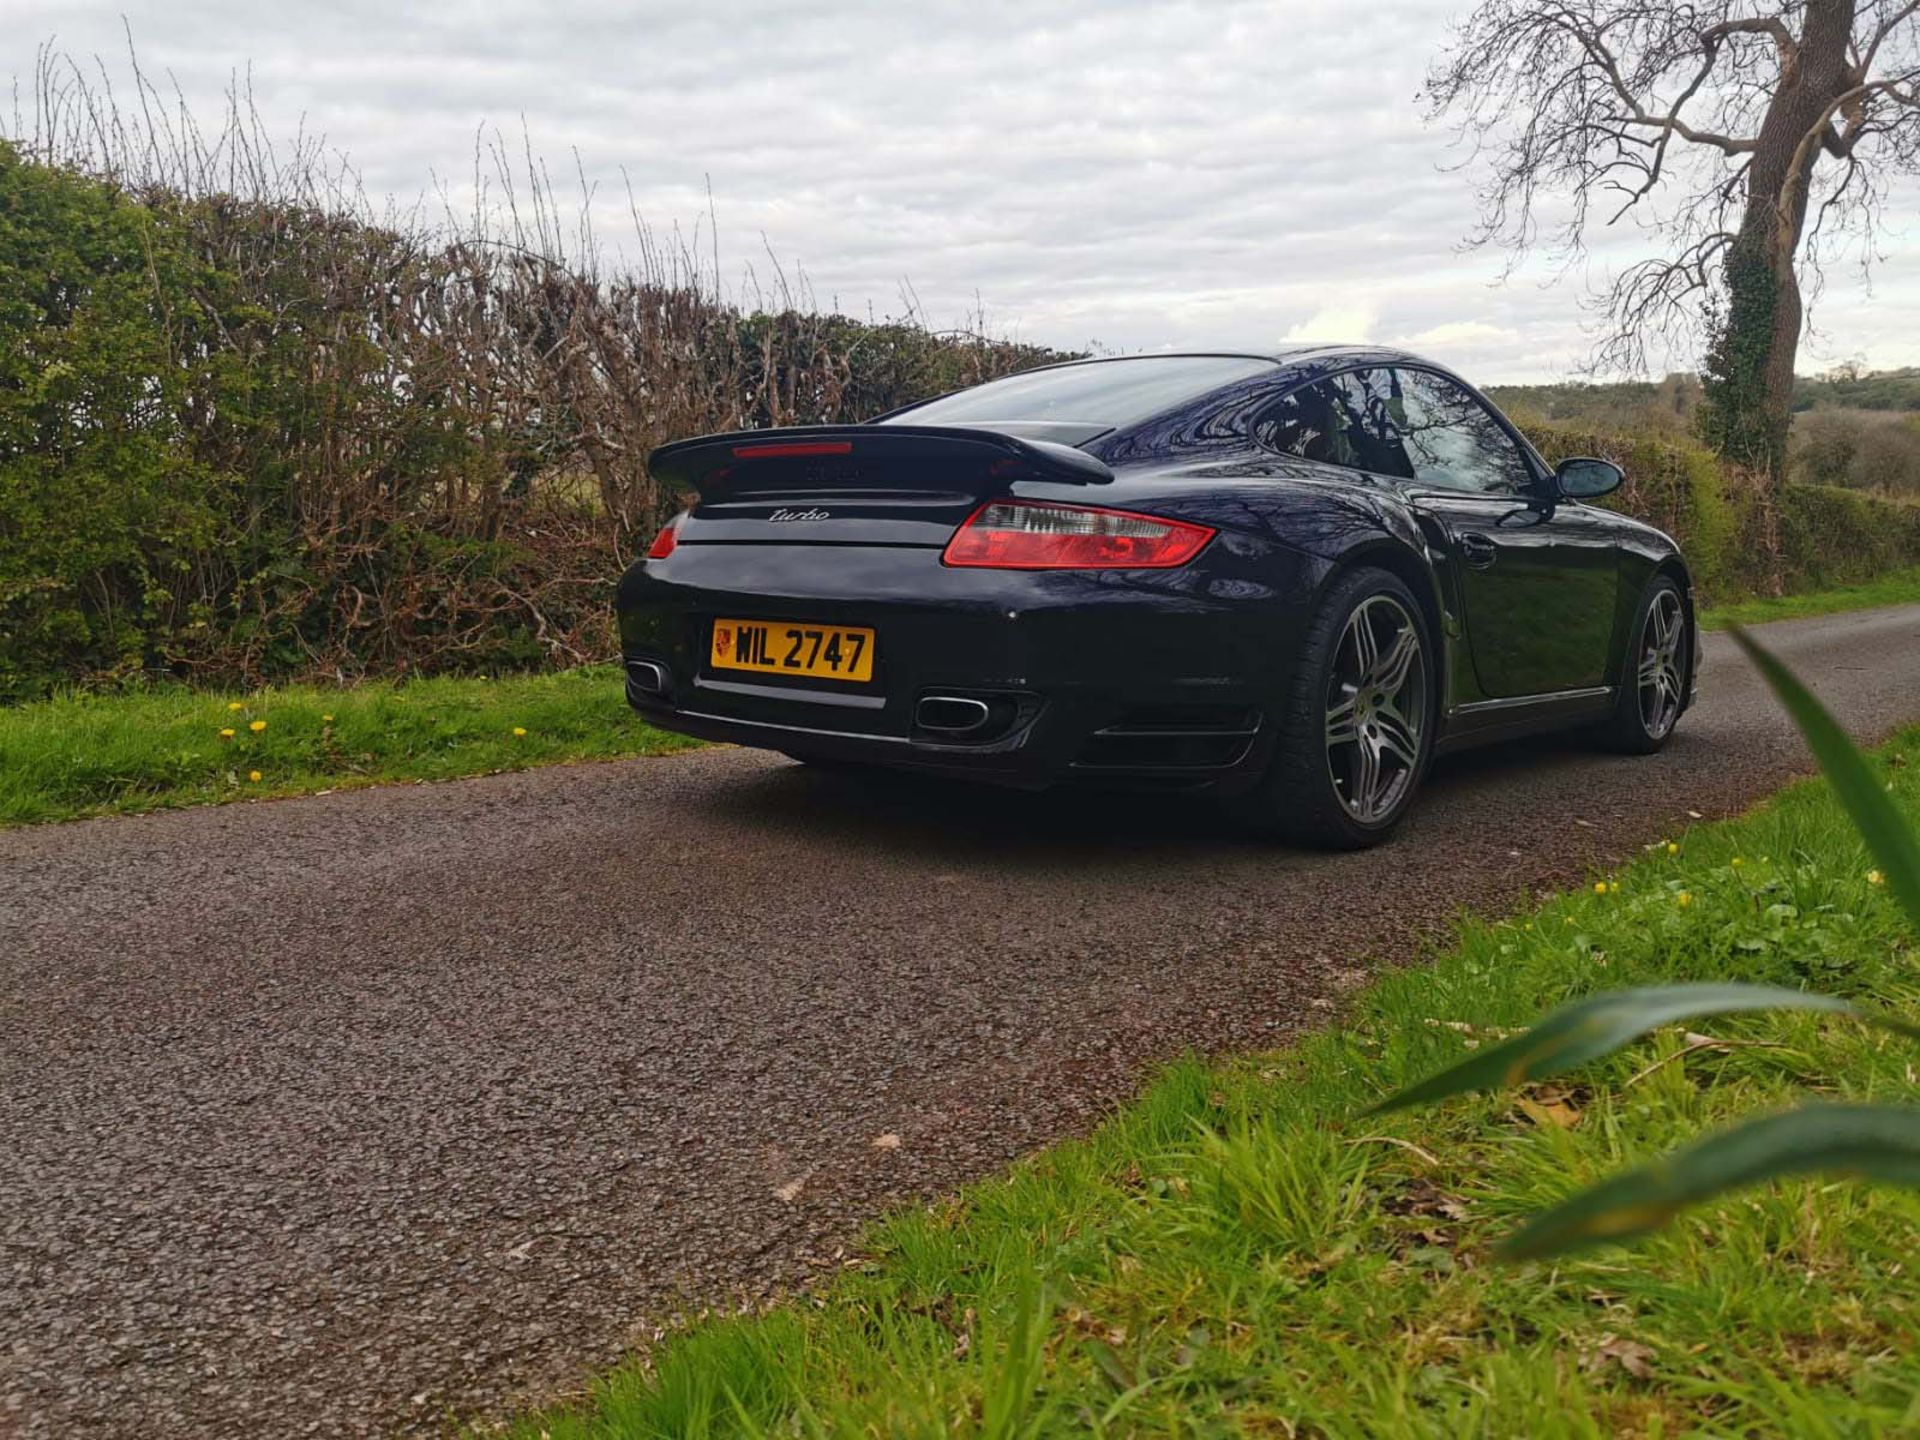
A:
1665,406
1669,403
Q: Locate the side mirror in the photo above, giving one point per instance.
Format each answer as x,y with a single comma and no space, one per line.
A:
1584,478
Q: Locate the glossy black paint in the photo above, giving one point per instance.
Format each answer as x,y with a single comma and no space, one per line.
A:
1142,676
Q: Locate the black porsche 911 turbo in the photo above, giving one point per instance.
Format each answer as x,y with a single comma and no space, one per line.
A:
1287,579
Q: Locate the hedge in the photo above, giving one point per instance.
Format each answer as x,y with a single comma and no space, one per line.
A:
1740,538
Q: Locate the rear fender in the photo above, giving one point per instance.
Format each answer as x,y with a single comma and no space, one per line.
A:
1398,539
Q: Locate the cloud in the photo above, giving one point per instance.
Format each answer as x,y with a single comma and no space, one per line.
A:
1347,319
1464,332
1144,175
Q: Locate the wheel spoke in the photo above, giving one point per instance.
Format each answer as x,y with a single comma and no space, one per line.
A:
1663,618
1366,650
1342,727
1366,779
1395,737
1394,667
1660,674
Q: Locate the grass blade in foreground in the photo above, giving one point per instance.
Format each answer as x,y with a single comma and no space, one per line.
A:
1599,1025
1873,1142
1865,1141
1873,812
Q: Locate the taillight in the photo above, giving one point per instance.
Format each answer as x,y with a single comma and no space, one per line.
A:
1034,535
668,537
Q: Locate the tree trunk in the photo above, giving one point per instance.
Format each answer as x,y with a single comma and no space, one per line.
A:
1750,367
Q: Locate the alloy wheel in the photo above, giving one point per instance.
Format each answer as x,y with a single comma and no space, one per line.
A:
1376,709
1662,684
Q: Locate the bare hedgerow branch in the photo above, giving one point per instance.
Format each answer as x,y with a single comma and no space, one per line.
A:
438,447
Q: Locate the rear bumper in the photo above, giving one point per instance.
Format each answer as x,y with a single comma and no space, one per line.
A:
1090,740
1155,679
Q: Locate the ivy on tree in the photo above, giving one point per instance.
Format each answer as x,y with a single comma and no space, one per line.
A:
1750,136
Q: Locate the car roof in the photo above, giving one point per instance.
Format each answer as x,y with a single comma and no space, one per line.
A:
1307,360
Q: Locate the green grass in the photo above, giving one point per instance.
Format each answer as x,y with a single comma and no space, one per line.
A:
1902,587
161,747
1238,1253
148,749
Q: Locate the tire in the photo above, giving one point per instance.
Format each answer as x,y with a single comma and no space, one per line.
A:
1654,675
1317,791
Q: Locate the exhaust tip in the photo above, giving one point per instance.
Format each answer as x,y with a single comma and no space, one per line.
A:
647,677
951,715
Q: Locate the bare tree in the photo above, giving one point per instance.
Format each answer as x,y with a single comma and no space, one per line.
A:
1722,127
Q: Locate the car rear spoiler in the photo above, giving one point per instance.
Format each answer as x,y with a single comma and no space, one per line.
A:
857,457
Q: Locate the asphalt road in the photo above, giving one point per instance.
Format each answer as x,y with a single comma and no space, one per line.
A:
343,1115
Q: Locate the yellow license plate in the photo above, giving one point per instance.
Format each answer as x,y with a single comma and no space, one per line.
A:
775,647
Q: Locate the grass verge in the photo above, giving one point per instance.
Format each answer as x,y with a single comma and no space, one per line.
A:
1239,1254
152,749
1901,587
148,749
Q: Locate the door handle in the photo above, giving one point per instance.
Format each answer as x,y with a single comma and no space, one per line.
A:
1477,550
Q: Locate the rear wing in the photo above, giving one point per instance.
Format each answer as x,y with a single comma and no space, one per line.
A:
862,457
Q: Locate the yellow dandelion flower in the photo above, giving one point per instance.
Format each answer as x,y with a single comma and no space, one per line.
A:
1599,887
257,726
1874,877
519,732
1737,862
1683,899
326,719
235,706
227,733
1672,849
254,776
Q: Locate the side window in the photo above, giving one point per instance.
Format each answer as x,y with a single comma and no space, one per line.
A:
1345,420
1301,423
1453,441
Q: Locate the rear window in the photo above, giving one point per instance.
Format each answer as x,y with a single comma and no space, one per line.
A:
1104,395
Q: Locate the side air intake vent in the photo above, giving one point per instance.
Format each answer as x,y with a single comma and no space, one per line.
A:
1173,737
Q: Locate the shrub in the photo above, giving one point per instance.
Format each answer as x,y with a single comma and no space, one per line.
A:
1888,458
1866,450
1830,536
104,512
1739,538
1824,445
1675,485
251,431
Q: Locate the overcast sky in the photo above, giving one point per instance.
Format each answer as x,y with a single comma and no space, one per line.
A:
1134,174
